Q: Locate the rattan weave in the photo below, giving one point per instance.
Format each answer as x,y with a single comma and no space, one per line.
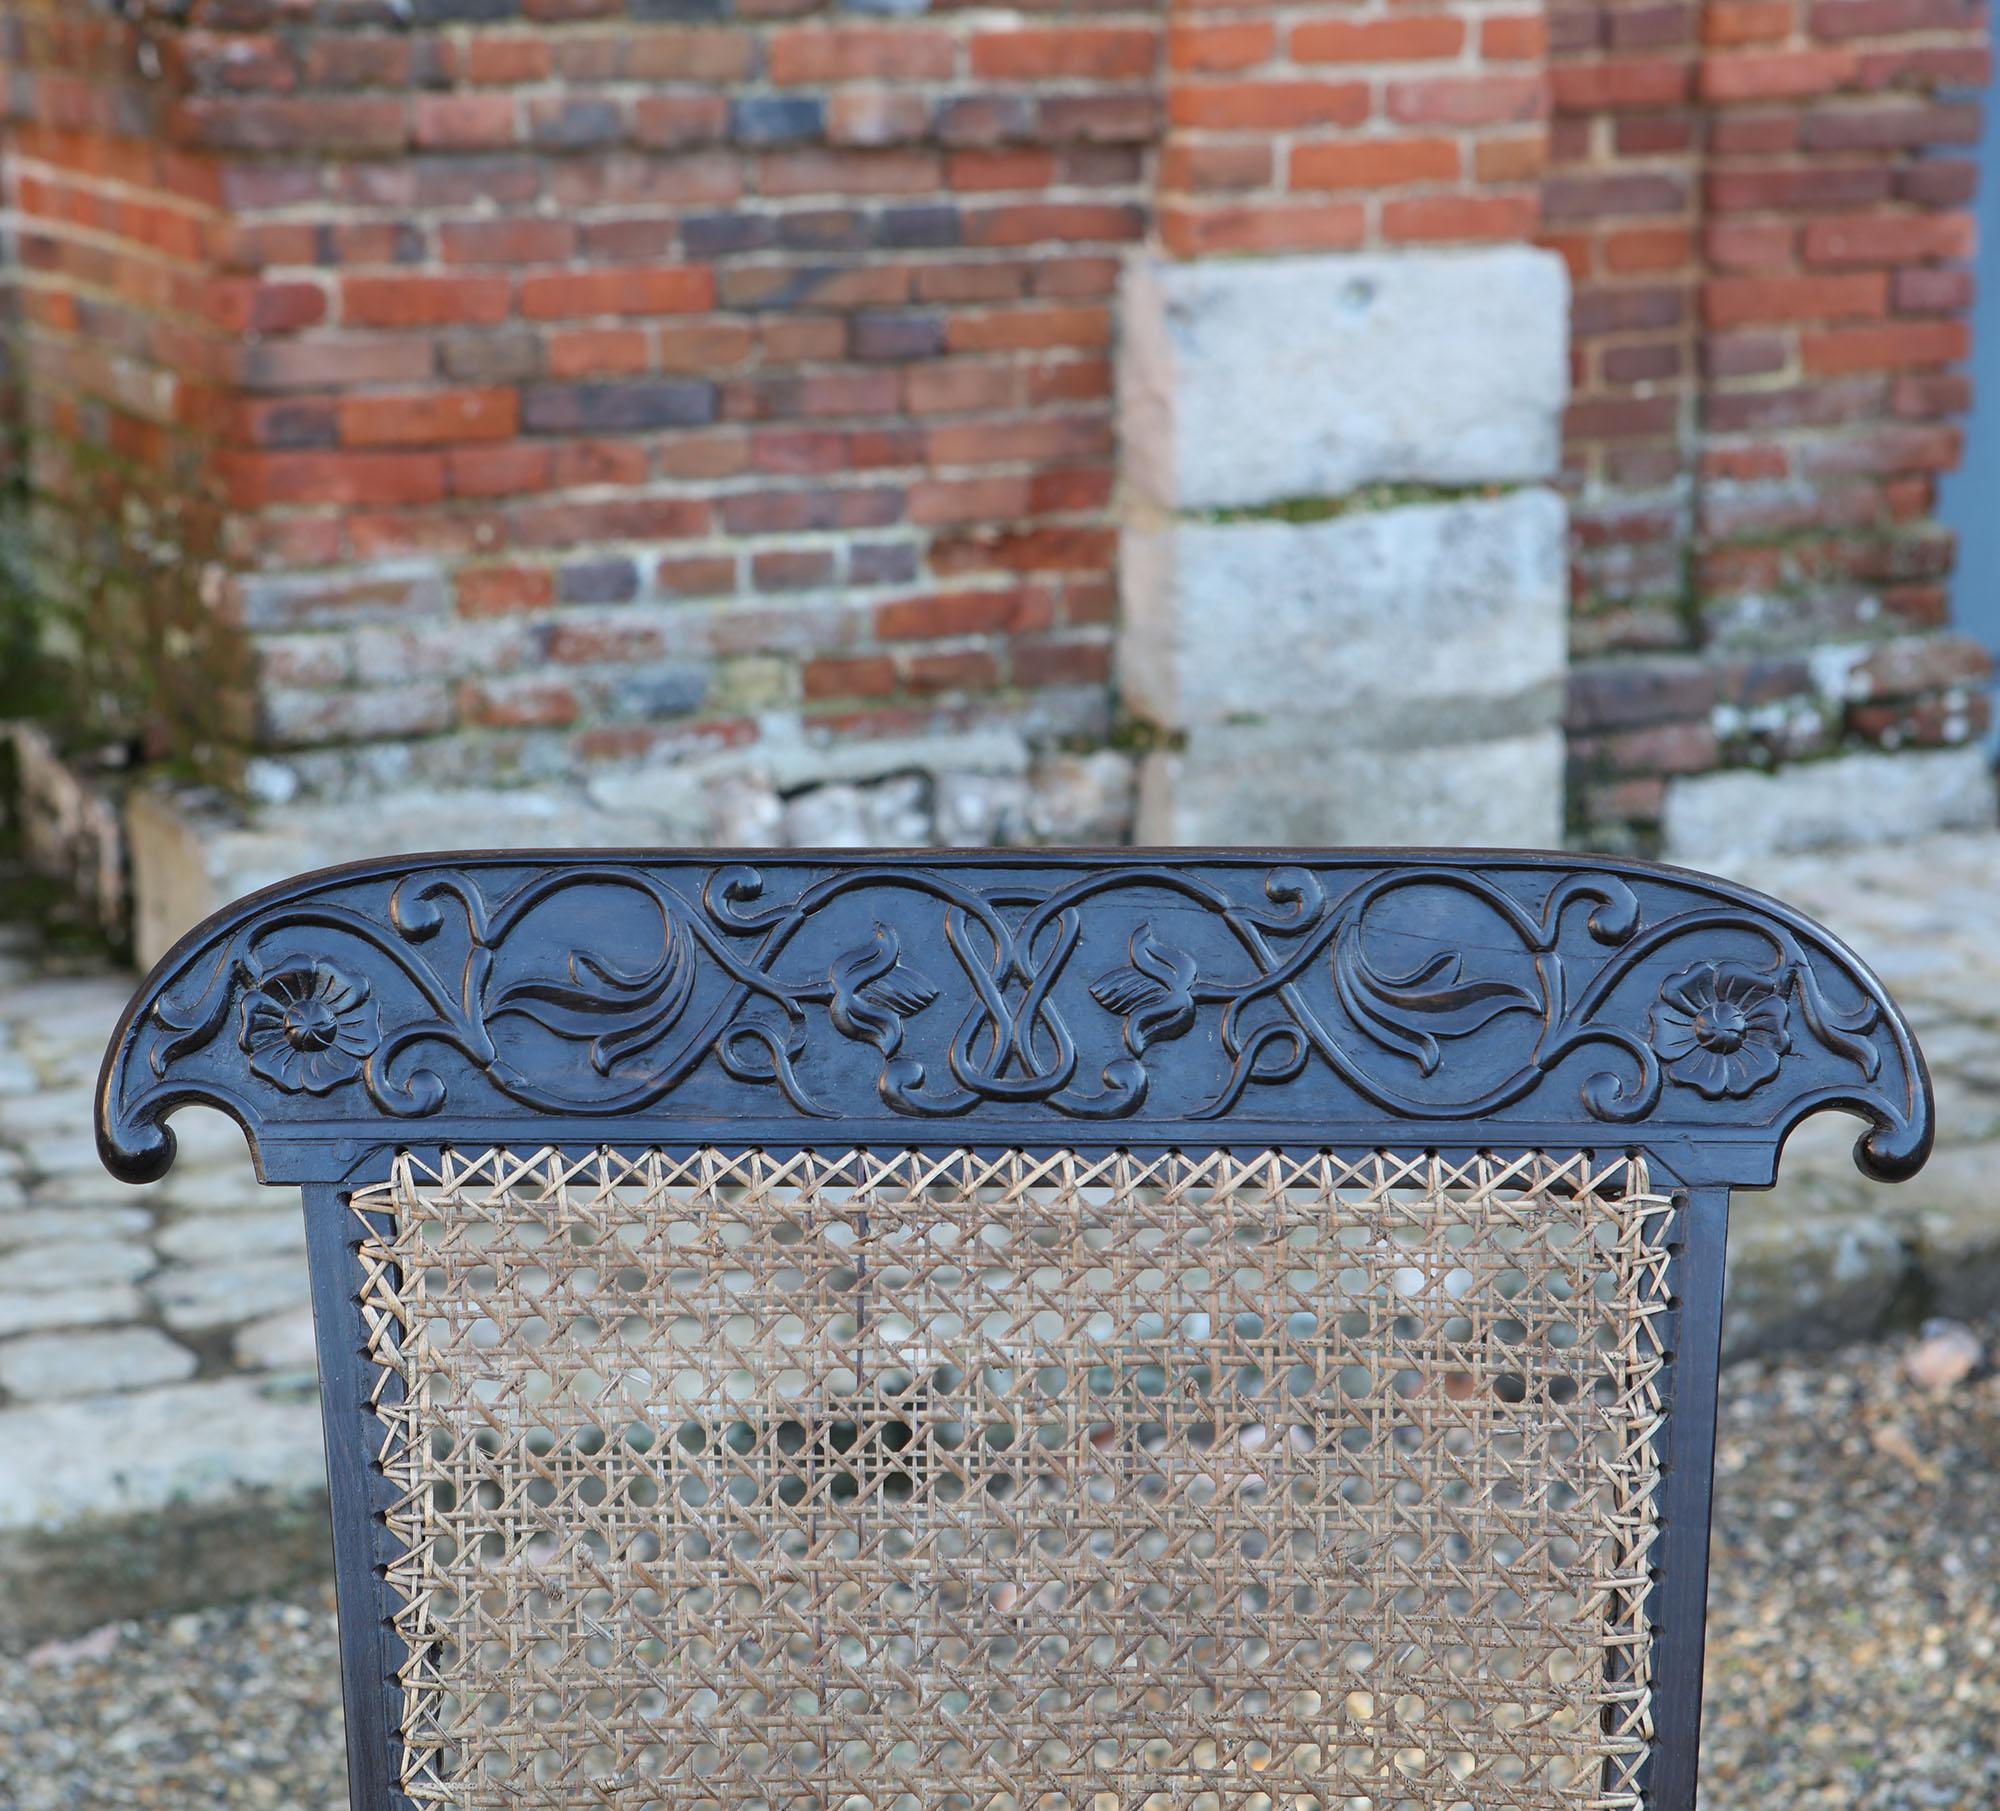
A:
949,1483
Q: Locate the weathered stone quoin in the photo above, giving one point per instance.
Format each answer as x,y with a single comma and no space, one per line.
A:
1120,420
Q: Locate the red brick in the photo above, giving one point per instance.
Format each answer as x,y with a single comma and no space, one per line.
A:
1393,40
1776,75
1061,662
1438,218
1887,18
1750,244
1102,53
1889,348
1729,22
330,478
1014,168
1924,291
944,615
1269,106
508,242
671,122
1071,223
512,470
1734,301
464,122
818,55
1320,226
596,352
517,704
969,669
1888,238
429,417
423,301
1488,100
1013,329
876,116
1193,164
495,60
1216,48
1612,83
704,576
1374,163
863,676
1514,38
632,290
715,346
1510,157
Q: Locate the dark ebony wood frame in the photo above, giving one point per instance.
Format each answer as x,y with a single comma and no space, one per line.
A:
1410,1001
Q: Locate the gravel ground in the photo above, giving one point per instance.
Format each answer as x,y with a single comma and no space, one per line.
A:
1854,1646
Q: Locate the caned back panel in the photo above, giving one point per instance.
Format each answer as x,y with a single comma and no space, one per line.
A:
945,1483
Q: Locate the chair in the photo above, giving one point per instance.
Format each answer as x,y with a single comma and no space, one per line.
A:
946,1332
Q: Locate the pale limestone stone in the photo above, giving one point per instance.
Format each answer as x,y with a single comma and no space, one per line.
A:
1249,383
278,1342
88,1364
188,1443
73,1226
744,812
1082,799
827,817
1721,819
192,854
1806,1279
24,1311
1292,783
1958,1227
1412,623
68,1264
217,1238
976,810
897,812
219,1191
217,1294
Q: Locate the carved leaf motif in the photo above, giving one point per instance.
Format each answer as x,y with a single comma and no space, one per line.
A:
1412,1011
619,1011
1154,994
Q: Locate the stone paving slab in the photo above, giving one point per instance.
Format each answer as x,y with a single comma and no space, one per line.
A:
157,1418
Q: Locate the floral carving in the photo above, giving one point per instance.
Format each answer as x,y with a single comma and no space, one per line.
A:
875,990
1721,1028
307,1030
1319,994
1154,994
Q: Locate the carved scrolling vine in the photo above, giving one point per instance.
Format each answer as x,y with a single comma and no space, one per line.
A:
968,987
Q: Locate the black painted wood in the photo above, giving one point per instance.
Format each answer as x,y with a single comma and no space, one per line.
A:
1680,1593
1348,1001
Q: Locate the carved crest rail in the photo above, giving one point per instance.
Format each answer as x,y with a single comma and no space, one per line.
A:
1116,998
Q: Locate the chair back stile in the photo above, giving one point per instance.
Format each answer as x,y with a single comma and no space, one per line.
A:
1218,1330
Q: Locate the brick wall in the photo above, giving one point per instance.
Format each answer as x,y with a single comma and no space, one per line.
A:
579,384
1764,205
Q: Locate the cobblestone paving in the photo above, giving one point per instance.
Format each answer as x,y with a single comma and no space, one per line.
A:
155,1343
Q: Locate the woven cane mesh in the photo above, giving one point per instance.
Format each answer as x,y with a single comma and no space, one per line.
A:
913,1483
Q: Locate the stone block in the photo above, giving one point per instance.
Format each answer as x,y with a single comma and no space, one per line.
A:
1297,782
1458,611
152,1448
1802,1281
1715,819
1244,384
88,1364
192,853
